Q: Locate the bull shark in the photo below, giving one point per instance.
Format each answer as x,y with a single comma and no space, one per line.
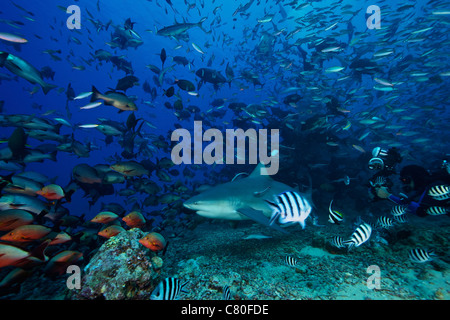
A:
242,199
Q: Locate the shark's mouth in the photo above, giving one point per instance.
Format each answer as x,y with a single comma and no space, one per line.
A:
232,215
204,213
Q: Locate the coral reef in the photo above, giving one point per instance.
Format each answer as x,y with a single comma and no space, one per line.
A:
121,269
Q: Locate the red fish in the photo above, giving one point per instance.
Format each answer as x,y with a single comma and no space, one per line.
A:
59,263
16,275
105,217
61,237
134,219
26,233
154,241
13,218
13,256
9,255
51,192
111,231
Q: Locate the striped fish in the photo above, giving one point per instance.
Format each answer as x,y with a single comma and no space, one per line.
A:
290,208
437,210
398,210
385,222
440,192
337,242
226,293
400,218
359,236
290,261
334,216
420,255
168,289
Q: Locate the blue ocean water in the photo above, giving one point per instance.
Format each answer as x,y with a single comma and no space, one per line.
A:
354,85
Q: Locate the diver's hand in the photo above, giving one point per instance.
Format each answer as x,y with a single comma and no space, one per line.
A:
382,192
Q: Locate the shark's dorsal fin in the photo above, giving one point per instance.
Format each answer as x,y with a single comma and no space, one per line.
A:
260,171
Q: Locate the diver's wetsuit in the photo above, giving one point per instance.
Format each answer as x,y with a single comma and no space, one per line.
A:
425,201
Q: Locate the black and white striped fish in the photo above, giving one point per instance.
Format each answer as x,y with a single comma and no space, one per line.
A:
334,216
440,192
290,261
434,211
385,222
401,218
290,208
420,255
359,236
337,242
398,210
226,293
168,289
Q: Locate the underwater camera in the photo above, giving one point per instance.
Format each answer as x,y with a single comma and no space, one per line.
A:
384,160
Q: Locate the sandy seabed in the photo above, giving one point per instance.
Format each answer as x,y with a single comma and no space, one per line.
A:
216,254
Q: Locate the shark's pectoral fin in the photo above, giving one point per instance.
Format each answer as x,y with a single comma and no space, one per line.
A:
258,216
274,218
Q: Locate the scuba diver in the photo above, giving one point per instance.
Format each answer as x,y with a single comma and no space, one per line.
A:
429,193
384,161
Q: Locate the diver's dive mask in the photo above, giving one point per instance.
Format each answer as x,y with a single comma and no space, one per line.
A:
406,181
377,162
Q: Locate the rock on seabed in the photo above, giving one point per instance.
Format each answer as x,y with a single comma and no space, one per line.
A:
121,269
